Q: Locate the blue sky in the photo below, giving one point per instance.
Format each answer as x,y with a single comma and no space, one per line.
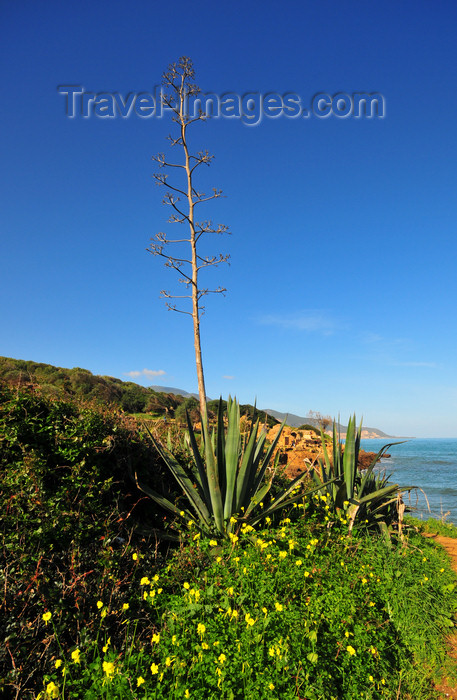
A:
342,286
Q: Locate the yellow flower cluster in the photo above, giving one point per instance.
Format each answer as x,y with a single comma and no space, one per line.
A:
108,669
249,620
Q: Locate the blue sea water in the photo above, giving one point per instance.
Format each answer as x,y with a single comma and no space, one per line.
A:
430,464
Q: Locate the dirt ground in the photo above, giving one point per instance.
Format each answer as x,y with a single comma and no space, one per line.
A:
447,688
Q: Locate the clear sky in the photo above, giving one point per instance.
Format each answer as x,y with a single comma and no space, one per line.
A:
342,285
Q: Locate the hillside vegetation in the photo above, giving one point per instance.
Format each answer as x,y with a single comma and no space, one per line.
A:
59,382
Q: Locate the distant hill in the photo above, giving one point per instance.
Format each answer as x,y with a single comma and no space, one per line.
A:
173,390
295,421
131,397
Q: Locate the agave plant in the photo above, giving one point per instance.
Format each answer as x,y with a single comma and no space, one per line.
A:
226,484
368,497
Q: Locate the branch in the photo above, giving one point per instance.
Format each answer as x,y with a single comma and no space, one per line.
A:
204,292
172,307
214,261
215,195
161,179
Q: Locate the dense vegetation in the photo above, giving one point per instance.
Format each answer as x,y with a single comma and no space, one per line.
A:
95,603
58,382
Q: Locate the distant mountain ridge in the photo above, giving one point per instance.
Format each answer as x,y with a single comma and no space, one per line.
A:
293,420
173,390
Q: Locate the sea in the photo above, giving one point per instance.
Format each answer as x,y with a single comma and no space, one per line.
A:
431,465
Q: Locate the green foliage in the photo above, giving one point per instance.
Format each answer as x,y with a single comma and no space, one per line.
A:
247,410
57,382
308,426
227,479
367,498
191,406
67,513
293,612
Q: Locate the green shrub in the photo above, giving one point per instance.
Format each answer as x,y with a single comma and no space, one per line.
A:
67,514
293,612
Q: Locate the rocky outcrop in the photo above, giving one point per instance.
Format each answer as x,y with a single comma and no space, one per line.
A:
300,450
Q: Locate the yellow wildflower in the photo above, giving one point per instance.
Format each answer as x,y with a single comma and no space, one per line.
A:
58,663
99,605
154,669
350,650
271,686
75,656
186,693
249,620
105,648
201,629
139,681
278,607
205,645
125,606
213,543
145,581
186,585
108,668
156,638
46,617
222,658
52,690
298,562
135,556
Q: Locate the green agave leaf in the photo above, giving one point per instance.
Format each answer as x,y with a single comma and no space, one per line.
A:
247,471
232,454
213,480
279,503
202,478
369,470
192,492
268,456
161,500
258,498
349,457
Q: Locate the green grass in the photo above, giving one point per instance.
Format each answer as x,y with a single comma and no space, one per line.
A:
433,527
